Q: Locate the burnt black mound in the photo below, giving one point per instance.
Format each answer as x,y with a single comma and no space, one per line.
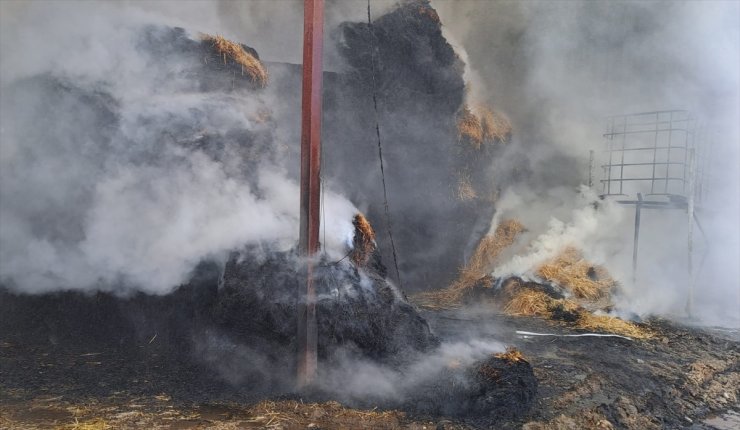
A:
492,390
231,333
356,308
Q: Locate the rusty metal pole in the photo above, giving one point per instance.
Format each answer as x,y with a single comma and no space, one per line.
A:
308,242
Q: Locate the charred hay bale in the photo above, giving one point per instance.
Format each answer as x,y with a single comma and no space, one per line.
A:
411,59
356,309
439,196
500,387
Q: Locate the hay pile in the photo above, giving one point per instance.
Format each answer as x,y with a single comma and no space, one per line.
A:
489,248
529,303
519,299
610,324
487,126
568,274
475,272
571,271
249,64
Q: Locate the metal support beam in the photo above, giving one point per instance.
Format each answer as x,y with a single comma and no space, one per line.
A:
308,242
690,211
591,168
638,207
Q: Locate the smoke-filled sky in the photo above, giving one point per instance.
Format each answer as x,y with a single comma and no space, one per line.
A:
556,68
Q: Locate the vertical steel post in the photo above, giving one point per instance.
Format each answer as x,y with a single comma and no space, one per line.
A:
690,210
308,242
591,168
638,208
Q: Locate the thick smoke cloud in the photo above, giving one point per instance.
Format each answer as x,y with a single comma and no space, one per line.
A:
558,69
105,183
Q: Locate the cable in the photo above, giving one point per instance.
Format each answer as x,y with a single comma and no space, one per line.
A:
322,207
380,145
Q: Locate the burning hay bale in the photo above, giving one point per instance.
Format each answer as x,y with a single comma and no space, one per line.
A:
248,62
474,274
571,271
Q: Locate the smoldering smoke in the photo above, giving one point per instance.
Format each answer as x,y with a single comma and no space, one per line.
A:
79,208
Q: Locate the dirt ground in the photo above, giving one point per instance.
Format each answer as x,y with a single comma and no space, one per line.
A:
675,380
682,378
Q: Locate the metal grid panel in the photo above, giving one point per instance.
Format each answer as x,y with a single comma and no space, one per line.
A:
648,153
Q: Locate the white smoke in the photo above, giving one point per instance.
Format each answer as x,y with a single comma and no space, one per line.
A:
558,69
577,219
95,202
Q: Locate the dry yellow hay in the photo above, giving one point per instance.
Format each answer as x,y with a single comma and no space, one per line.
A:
119,412
469,127
296,414
494,124
512,355
569,270
487,126
489,248
519,300
529,302
363,241
609,324
235,52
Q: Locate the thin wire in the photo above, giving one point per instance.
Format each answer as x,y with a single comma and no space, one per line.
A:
380,145
321,199
333,263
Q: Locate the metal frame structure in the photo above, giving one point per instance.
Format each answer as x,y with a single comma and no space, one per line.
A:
649,148
650,162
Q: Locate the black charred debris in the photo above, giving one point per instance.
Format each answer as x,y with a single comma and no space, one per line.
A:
242,333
